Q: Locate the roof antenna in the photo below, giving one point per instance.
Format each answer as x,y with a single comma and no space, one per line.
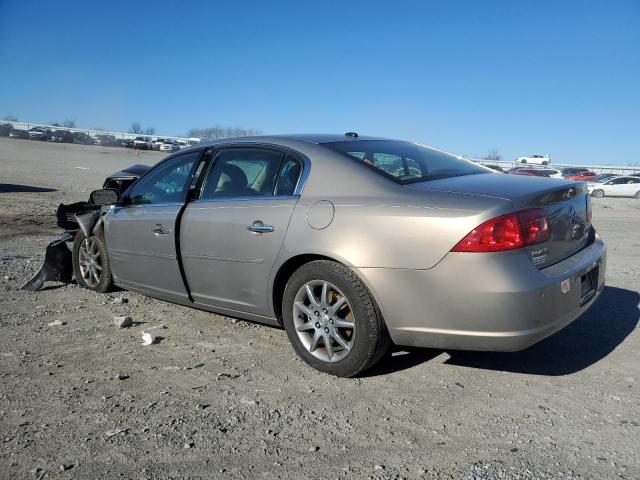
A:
351,134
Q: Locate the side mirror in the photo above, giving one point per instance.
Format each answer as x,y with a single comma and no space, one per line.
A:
105,196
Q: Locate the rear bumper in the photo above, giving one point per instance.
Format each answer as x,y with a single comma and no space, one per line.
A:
494,301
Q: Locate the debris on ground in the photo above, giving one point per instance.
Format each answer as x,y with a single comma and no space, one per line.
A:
57,323
123,321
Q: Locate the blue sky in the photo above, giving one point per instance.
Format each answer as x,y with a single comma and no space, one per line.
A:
521,77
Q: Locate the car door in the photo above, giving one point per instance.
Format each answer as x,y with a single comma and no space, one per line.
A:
615,187
231,236
630,186
140,235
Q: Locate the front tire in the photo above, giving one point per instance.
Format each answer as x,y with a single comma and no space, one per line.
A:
91,267
332,321
598,193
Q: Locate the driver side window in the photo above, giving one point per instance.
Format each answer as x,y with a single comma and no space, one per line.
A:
168,183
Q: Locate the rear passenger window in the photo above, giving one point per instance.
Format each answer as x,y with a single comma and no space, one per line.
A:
242,172
288,176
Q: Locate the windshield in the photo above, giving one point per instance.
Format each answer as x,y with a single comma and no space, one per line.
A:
405,162
602,177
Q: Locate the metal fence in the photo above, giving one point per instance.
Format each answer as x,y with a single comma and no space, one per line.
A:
617,170
92,132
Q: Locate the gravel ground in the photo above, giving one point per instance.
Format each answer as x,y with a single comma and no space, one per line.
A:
224,398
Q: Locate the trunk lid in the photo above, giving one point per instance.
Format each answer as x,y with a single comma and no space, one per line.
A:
566,203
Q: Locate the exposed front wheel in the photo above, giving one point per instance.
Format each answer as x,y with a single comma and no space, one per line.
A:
332,320
598,193
91,267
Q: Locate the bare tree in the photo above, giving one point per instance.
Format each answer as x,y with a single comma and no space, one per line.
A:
149,131
11,118
493,155
135,128
68,123
222,132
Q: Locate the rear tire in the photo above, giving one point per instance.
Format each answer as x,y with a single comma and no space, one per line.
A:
637,196
91,267
310,323
598,193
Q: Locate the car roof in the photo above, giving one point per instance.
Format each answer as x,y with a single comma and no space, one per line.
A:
317,138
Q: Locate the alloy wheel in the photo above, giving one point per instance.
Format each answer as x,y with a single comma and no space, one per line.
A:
324,321
90,262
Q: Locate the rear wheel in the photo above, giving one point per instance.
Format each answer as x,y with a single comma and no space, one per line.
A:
91,267
332,320
638,195
598,193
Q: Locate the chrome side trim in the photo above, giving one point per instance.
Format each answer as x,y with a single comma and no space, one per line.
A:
204,256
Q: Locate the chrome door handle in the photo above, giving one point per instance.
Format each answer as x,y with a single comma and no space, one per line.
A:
160,230
259,227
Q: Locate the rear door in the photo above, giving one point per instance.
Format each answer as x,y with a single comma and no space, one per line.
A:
141,236
630,186
616,187
230,237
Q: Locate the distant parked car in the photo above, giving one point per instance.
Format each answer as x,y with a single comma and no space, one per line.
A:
622,186
538,172
573,171
635,175
18,133
142,143
603,177
584,176
157,143
62,136
39,133
535,159
169,146
542,172
105,140
83,139
5,129
497,168
125,143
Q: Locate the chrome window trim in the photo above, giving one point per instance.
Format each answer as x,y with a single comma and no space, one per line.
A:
244,198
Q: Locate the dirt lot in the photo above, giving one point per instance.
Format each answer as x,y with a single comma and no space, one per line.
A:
220,398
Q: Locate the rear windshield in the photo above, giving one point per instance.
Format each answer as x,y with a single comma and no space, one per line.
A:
405,162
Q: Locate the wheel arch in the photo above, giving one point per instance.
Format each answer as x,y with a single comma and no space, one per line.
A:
284,274
292,264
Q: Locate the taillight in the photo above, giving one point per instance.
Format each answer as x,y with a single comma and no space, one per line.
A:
508,232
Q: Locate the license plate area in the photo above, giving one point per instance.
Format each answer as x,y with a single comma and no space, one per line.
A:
589,285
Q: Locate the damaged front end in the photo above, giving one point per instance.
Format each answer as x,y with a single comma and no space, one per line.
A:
85,216
57,265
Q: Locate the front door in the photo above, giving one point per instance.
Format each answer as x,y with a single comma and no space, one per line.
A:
140,235
231,236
